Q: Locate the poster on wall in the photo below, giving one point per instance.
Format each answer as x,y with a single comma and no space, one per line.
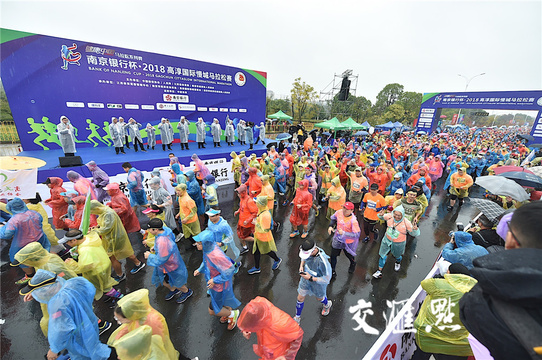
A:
46,77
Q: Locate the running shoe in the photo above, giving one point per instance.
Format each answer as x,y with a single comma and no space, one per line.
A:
223,319
170,295
377,274
352,267
103,326
277,226
294,234
254,270
366,240
397,266
184,296
326,309
297,319
237,266
232,321
114,293
120,278
305,234
23,281
243,251
136,268
179,237
276,264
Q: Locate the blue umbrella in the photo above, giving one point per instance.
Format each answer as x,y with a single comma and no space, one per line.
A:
283,136
361,133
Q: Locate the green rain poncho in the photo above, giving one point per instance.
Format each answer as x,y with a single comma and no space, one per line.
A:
140,344
136,308
36,256
114,237
93,264
441,309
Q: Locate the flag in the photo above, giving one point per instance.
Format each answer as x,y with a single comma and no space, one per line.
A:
85,219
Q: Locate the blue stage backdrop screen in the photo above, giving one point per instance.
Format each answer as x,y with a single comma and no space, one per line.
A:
46,77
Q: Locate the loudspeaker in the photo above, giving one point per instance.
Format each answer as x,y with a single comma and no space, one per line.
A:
70,161
345,89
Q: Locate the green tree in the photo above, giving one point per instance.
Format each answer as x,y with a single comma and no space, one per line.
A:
387,96
274,105
411,102
361,109
394,112
303,95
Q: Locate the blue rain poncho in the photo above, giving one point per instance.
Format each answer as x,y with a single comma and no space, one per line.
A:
211,196
194,191
319,267
24,227
465,252
72,324
223,233
167,260
179,175
217,266
135,186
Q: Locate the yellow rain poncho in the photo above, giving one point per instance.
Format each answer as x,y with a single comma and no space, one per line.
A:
114,237
47,228
94,264
36,256
140,344
136,308
441,309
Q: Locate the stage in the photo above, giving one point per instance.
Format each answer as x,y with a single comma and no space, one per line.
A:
111,163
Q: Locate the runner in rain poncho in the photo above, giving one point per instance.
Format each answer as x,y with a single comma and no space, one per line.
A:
79,203
267,190
278,334
222,232
302,205
114,238
99,179
81,184
229,133
280,175
163,200
236,167
244,169
66,136
200,133
140,344
315,273
34,255
394,240
74,326
254,182
216,131
151,136
56,202
167,261
134,311
188,214
218,271
184,132
23,228
92,262
200,170
121,205
211,196
116,131
194,191
134,181
179,175
336,196
35,205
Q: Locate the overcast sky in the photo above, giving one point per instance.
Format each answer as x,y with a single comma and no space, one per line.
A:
422,45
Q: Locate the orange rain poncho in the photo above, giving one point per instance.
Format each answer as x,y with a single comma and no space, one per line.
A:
302,205
254,183
136,308
56,202
277,332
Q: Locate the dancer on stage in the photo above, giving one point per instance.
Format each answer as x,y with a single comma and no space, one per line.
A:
184,132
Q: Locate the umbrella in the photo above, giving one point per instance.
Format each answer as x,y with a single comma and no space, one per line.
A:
526,137
503,169
537,170
326,133
361,133
283,136
20,163
500,185
443,116
536,146
421,132
523,178
490,209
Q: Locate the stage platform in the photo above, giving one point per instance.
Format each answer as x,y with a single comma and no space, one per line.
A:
111,163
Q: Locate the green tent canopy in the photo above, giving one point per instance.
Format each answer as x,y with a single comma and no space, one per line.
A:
332,124
280,116
351,124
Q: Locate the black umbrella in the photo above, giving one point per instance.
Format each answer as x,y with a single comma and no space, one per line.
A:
526,137
490,209
537,146
523,178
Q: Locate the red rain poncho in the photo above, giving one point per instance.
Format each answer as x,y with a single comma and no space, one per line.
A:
56,202
79,207
121,205
300,214
254,183
278,333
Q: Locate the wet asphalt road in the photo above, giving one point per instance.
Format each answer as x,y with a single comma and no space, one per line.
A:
195,333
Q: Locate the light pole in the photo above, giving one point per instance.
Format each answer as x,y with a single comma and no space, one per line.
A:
469,79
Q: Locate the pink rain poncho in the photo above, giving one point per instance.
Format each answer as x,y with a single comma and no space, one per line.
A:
81,185
121,205
23,228
56,201
201,170
217,266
